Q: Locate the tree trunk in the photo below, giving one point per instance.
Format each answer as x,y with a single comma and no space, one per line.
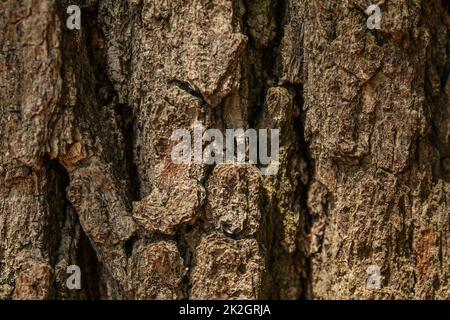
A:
88,178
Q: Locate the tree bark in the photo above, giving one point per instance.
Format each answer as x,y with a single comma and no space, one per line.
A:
86,170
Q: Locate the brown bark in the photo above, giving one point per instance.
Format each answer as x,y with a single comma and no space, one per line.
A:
87,177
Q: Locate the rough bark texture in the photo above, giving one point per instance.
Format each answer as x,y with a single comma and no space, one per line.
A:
86,175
